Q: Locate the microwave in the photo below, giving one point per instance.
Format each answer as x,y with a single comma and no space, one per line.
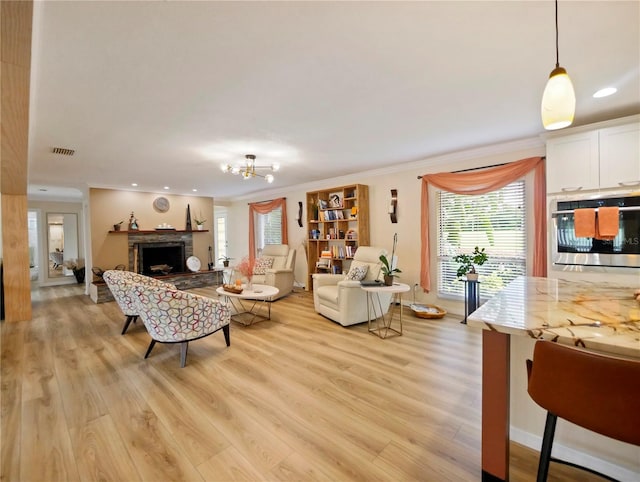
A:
622,251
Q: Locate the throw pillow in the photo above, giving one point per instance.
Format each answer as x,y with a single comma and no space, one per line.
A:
357,273
262,265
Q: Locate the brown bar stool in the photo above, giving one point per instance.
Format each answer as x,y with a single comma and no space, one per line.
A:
598,392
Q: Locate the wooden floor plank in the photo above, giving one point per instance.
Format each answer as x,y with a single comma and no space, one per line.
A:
101,454
231,466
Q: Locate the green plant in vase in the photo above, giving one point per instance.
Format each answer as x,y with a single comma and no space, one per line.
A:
225,261
200,222
468,263
388,270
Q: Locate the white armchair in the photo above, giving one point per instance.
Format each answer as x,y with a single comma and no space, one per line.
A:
280,274
343,300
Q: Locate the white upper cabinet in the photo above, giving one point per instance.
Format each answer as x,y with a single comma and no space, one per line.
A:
594,159
620,156
572,162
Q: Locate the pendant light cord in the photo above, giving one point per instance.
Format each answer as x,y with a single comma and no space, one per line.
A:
557,50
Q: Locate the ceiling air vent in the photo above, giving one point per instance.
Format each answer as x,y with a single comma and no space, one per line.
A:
63,151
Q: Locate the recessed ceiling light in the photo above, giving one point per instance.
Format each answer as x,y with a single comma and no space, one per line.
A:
194,190
607,91
42,189
134,184
166,187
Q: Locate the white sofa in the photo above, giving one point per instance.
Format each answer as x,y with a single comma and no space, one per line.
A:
280,274
343,300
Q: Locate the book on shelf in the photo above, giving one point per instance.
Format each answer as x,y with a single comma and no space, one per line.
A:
330,215
350,251
326,254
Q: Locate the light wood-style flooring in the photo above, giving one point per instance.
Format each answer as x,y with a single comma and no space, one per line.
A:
295,398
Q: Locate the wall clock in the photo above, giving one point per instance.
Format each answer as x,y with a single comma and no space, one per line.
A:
161,204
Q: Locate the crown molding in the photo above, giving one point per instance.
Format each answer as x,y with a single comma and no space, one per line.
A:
440,160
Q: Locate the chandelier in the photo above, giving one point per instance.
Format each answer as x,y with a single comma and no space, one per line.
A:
249,168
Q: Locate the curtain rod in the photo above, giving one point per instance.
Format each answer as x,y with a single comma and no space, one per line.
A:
267,201
482,167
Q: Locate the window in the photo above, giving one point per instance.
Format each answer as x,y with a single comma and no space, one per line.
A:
268,228
494,221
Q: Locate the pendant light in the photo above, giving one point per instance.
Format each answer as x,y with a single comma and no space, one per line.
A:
559,98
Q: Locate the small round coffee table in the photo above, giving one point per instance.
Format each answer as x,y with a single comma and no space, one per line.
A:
258,296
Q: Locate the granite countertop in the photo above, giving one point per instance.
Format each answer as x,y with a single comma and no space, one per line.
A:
599,316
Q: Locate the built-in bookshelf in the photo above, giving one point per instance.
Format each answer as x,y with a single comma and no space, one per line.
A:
338,222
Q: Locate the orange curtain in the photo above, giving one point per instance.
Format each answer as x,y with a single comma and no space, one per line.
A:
482,182
265,208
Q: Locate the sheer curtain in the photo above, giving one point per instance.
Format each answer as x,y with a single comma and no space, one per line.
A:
265,208
481,182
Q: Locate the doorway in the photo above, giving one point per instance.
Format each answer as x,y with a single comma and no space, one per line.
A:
221,234
62,243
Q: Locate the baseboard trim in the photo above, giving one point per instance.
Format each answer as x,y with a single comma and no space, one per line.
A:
571,455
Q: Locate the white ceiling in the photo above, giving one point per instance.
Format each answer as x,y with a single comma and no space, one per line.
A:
162,93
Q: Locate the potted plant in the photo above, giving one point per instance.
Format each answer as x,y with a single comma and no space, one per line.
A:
225,261
77,266
468,263
200,222
388,270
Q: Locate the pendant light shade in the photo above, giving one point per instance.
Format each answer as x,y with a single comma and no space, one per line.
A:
559,99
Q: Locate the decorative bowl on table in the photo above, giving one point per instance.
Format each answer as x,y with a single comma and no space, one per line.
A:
232,288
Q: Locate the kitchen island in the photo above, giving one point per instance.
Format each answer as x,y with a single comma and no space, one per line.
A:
602,317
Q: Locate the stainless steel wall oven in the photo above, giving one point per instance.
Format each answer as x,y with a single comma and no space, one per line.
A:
622,251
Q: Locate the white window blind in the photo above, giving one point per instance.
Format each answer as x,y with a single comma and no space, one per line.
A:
268,228
494,221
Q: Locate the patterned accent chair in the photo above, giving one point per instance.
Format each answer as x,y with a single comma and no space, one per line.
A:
342,299
121,284
174,316
56,258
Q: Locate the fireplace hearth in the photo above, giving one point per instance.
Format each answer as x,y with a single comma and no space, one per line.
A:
154,254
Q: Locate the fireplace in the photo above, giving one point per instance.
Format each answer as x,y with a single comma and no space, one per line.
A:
154,254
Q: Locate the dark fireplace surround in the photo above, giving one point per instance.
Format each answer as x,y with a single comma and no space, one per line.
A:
171,253
148,249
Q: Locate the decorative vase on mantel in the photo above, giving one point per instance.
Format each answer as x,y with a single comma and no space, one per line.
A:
187,223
